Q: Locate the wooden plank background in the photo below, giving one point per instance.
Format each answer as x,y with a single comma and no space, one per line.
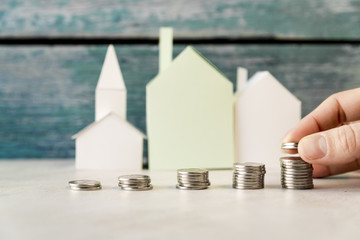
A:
201,18
47,91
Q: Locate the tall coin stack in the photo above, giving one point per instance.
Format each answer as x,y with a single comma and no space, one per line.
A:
192,179
295,172
136,182
249,175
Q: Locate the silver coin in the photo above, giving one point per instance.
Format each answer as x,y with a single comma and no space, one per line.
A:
289,146
190,188
310,186
85,188
247,188
292,170
84,183
194,178
305,187
193,185
249,164
296,165
248,180
134,177
295,173
133,185
298,185
192,171
255,173
137,189
297,177
248,185
248,175
293,159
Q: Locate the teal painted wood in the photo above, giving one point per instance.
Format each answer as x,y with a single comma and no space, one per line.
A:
202,18
47,93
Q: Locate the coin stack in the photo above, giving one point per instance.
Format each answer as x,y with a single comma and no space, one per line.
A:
135,182
295,172
85,185
249,175
193,179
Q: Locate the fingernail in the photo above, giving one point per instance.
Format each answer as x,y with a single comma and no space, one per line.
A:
313,147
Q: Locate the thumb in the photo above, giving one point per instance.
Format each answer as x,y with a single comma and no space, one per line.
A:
335,146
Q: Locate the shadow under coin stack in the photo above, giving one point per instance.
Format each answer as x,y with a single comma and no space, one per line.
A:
249,175
193,179
295,172
85,185
136,182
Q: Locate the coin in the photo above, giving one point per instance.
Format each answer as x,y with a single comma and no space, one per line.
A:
289,146
84,185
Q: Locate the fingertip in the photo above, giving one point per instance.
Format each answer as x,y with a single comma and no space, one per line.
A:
321,171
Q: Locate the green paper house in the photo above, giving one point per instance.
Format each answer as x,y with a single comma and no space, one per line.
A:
190,121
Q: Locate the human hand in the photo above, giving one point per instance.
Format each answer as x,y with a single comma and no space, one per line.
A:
329,137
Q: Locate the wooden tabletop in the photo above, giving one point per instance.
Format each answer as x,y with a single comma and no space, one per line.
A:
36,203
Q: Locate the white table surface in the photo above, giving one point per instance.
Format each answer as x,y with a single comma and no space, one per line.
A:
36,203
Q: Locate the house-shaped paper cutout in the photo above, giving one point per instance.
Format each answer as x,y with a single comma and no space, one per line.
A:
109,144
264,111
190,115
110,93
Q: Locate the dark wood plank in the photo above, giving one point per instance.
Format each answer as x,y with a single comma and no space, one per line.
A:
203,18
47,93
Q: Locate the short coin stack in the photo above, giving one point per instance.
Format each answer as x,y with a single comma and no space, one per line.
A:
193,179
85,185
249,175
135,182
295,172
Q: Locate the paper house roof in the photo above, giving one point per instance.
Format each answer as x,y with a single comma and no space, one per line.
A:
110,115
190,115
111,76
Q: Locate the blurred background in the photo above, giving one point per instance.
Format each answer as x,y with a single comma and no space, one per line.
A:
51,54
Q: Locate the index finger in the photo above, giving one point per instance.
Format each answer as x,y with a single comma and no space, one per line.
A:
336,110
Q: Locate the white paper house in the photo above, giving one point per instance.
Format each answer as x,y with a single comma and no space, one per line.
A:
189,107
110,143
264,111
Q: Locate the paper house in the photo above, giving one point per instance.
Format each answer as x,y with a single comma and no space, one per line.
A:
264,111
110,143
190,115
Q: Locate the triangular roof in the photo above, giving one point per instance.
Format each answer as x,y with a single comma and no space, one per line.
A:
111,76
190,53
264,76
92,125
